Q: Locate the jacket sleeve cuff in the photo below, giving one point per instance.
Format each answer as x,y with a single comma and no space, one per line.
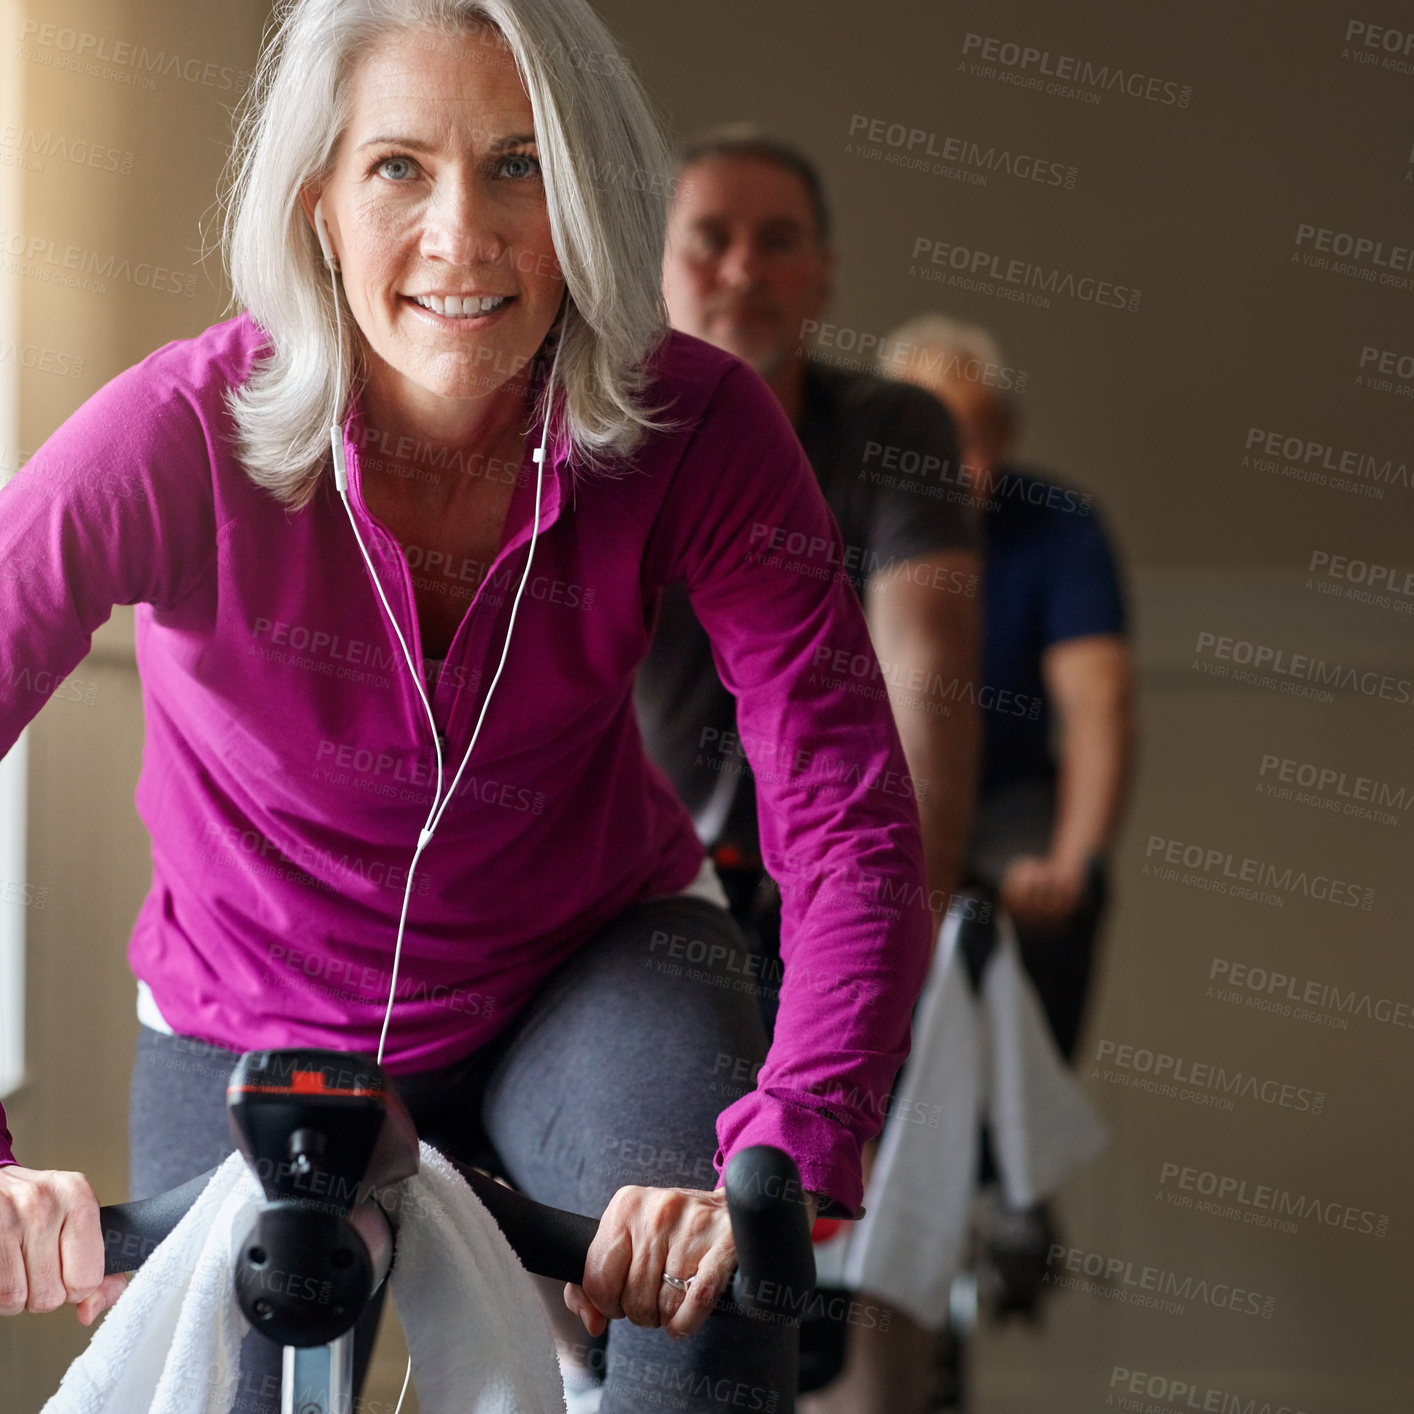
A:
824,1150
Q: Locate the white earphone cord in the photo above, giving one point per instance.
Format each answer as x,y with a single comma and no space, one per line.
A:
341,482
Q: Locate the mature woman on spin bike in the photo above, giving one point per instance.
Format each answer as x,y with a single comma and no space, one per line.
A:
396,792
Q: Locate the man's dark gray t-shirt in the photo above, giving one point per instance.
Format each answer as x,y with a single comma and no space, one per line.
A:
886,456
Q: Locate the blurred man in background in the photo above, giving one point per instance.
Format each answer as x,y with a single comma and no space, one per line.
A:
748,267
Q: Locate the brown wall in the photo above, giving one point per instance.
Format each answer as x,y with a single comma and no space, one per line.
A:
1195,206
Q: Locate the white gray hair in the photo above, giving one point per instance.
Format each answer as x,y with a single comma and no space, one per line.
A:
937,331
930,345
607,177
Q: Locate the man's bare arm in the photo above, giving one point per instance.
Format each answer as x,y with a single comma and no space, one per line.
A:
1090,682
926,628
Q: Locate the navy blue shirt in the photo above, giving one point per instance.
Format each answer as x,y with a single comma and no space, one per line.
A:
1050,576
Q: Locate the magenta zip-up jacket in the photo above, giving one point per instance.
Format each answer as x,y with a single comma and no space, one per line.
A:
289,765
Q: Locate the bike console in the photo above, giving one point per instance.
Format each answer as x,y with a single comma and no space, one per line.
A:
323,1131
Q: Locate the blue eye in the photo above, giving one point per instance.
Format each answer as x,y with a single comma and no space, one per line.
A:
404,162
520,165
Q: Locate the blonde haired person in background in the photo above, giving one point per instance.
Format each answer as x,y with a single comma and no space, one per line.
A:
1055,775
1054,635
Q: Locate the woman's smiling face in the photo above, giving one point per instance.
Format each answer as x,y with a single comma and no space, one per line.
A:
436,213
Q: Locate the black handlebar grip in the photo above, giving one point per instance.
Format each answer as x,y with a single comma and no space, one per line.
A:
549,1241
776,1264
770,1225
132,1230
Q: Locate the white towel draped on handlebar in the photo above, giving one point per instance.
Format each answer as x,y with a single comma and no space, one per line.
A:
973,1057
475,1328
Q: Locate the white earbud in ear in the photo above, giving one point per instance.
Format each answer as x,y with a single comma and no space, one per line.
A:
321,229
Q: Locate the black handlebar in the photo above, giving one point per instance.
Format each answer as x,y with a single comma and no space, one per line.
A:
550,1242
328,1134
775,1262
131,1231
776,1271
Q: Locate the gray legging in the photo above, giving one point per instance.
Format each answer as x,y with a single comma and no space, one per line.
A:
613,1074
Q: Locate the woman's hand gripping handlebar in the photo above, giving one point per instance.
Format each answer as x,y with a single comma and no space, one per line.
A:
665,1256
51,1247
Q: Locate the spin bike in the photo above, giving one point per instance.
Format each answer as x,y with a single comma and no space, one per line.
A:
326,1134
